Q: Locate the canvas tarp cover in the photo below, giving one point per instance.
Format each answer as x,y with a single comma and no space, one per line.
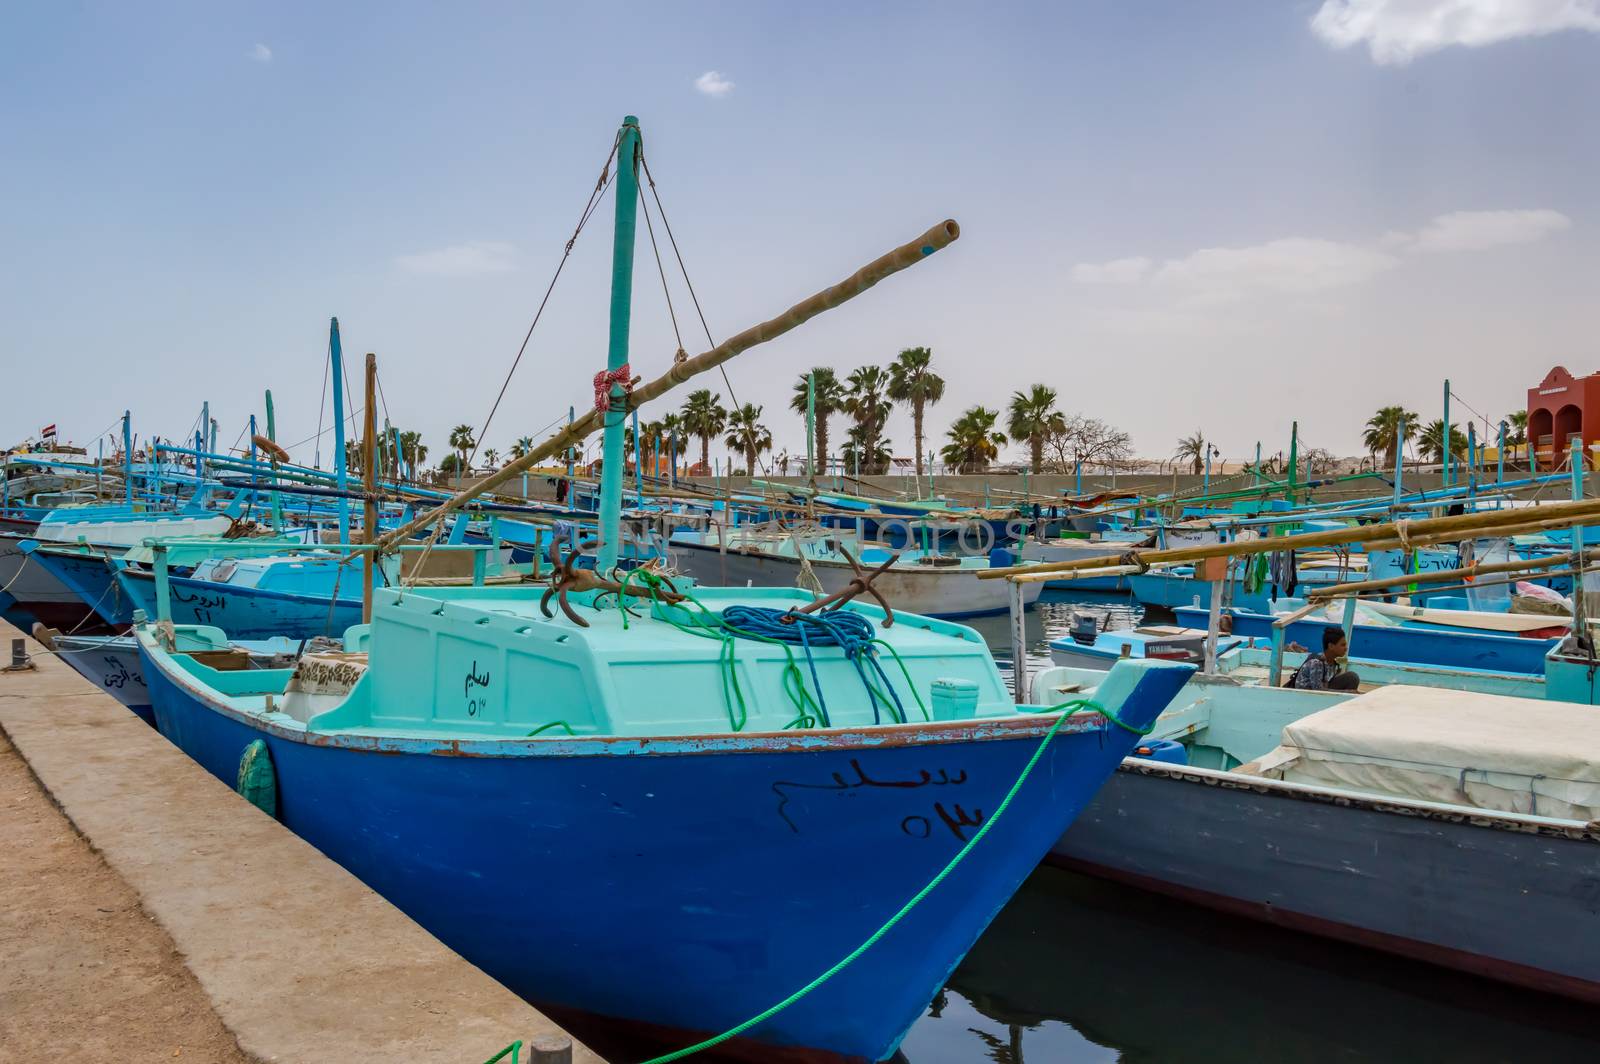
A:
1515,755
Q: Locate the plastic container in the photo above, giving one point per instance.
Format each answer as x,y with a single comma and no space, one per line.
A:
954,699
1173,753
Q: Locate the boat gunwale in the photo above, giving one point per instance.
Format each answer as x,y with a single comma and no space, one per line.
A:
1024,725
1522,823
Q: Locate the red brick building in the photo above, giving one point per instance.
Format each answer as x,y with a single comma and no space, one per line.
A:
1561,406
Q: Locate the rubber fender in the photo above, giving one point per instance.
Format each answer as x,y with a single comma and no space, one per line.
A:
257,782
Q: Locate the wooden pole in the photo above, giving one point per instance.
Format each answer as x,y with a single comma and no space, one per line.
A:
1417,533
1442,576
369,468
1018,610
909,254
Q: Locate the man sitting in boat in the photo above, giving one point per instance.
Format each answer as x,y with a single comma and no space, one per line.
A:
1326,671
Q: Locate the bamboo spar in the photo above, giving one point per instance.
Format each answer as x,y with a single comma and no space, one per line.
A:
940,236
1420,532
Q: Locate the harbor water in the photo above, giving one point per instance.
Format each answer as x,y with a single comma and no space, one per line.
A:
1081,971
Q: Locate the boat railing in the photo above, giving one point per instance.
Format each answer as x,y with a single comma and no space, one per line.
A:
163,554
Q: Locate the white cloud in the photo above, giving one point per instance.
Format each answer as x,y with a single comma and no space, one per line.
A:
1305,265
1293,265
1476,230
1398,31
462,260
1117,271
261,53
712,83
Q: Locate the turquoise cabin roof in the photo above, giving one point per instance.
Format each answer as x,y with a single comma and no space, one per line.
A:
484,662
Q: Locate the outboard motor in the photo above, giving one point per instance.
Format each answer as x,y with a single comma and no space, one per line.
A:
1085,629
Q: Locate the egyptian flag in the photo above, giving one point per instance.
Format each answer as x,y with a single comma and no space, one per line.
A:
48,432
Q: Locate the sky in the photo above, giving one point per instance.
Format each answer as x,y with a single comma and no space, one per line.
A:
1221,216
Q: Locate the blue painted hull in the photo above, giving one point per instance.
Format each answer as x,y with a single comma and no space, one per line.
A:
1176,592
245,612
690,884
93,580
1417,646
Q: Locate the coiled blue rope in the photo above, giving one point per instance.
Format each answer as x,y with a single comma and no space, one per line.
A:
846,629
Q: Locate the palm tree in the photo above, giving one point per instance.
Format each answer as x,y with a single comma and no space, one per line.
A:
911,382
461,440
492,456
974,441
704,416
746,433
671,430
1381,429
1429,442
1193,450
1033,417
829,401
414,450
522,446
1518,421
857,453
866,400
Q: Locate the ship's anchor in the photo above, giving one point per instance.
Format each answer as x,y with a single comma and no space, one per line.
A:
566,578
861,582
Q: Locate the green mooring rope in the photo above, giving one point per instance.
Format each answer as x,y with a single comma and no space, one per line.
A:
513,1050
1066,709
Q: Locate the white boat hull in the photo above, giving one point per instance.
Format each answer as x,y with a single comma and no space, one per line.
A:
932,591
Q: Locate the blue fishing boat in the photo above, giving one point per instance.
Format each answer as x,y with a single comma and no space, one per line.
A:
1446,647
779,816
708,841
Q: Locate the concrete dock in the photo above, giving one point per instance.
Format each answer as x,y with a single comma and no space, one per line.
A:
152,914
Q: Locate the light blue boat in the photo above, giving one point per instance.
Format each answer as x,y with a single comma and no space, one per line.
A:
1423,836
1157,642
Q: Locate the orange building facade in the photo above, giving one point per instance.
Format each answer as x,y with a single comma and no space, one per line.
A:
1559,408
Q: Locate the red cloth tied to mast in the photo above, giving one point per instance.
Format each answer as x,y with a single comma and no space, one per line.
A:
605,379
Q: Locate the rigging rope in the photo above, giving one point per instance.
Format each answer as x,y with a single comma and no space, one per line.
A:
661,209
595,197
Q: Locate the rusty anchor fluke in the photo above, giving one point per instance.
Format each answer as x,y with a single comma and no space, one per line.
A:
861,582
566,578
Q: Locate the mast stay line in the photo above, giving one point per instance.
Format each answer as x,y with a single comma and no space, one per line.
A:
908,254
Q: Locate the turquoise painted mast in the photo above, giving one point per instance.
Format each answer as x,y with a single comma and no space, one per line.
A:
627,197
1472,459
272,434
1444,440
336,368
200,444
127,458
1399,458
1500,456
811,429
638,459
1294,462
